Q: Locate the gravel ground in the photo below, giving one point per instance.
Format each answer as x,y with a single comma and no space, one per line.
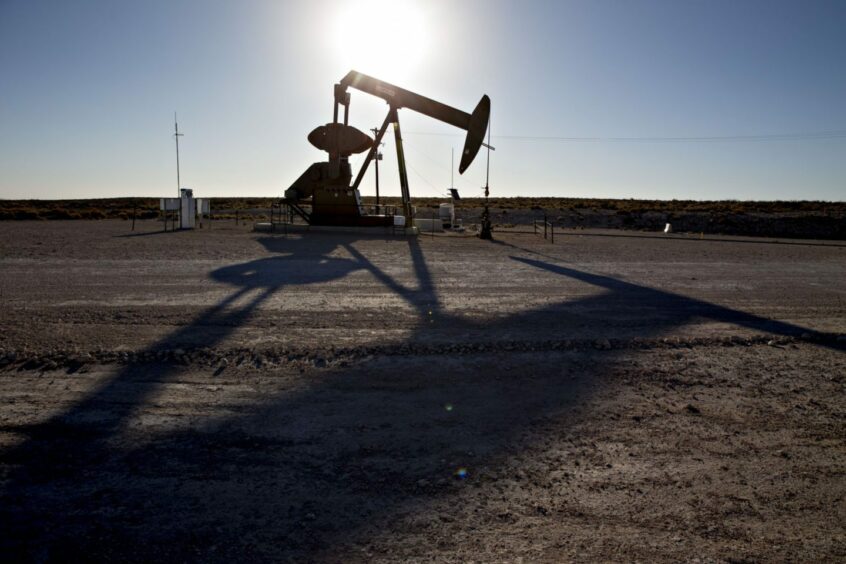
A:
223,395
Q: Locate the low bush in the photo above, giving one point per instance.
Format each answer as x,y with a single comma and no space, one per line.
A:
148,208
62,213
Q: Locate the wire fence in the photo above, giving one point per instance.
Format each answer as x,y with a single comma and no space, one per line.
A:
546,227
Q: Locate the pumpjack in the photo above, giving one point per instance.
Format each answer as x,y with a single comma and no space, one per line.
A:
327,187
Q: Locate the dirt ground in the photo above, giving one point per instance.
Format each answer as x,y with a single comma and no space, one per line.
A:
222,395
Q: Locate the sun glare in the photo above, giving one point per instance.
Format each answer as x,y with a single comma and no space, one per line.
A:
387,39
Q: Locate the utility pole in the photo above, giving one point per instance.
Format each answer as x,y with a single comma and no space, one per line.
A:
176,136
378,158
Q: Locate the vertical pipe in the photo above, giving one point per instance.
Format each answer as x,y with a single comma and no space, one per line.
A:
377,180
377,140
485,232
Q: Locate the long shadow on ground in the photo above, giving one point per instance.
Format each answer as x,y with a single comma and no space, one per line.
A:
323,465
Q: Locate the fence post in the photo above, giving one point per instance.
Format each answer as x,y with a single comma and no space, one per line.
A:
552,233
545,224
236,217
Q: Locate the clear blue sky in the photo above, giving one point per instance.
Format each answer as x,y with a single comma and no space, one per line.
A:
88,90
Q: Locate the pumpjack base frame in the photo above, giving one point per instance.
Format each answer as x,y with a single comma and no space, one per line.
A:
365,215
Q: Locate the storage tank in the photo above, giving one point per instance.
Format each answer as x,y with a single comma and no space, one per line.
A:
187,208
447,215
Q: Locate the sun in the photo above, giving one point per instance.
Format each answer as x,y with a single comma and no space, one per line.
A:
387,39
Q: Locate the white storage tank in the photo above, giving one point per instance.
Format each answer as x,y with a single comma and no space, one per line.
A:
187,208
447,215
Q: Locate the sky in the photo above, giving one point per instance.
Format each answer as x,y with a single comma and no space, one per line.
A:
675,99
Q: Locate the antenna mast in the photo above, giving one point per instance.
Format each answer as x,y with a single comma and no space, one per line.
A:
176,136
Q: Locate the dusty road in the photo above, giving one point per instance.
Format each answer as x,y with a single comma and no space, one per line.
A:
222,395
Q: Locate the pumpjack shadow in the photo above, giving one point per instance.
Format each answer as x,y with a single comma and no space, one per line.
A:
341,454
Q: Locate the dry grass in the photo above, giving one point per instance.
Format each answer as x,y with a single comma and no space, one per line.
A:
107,208
145,208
